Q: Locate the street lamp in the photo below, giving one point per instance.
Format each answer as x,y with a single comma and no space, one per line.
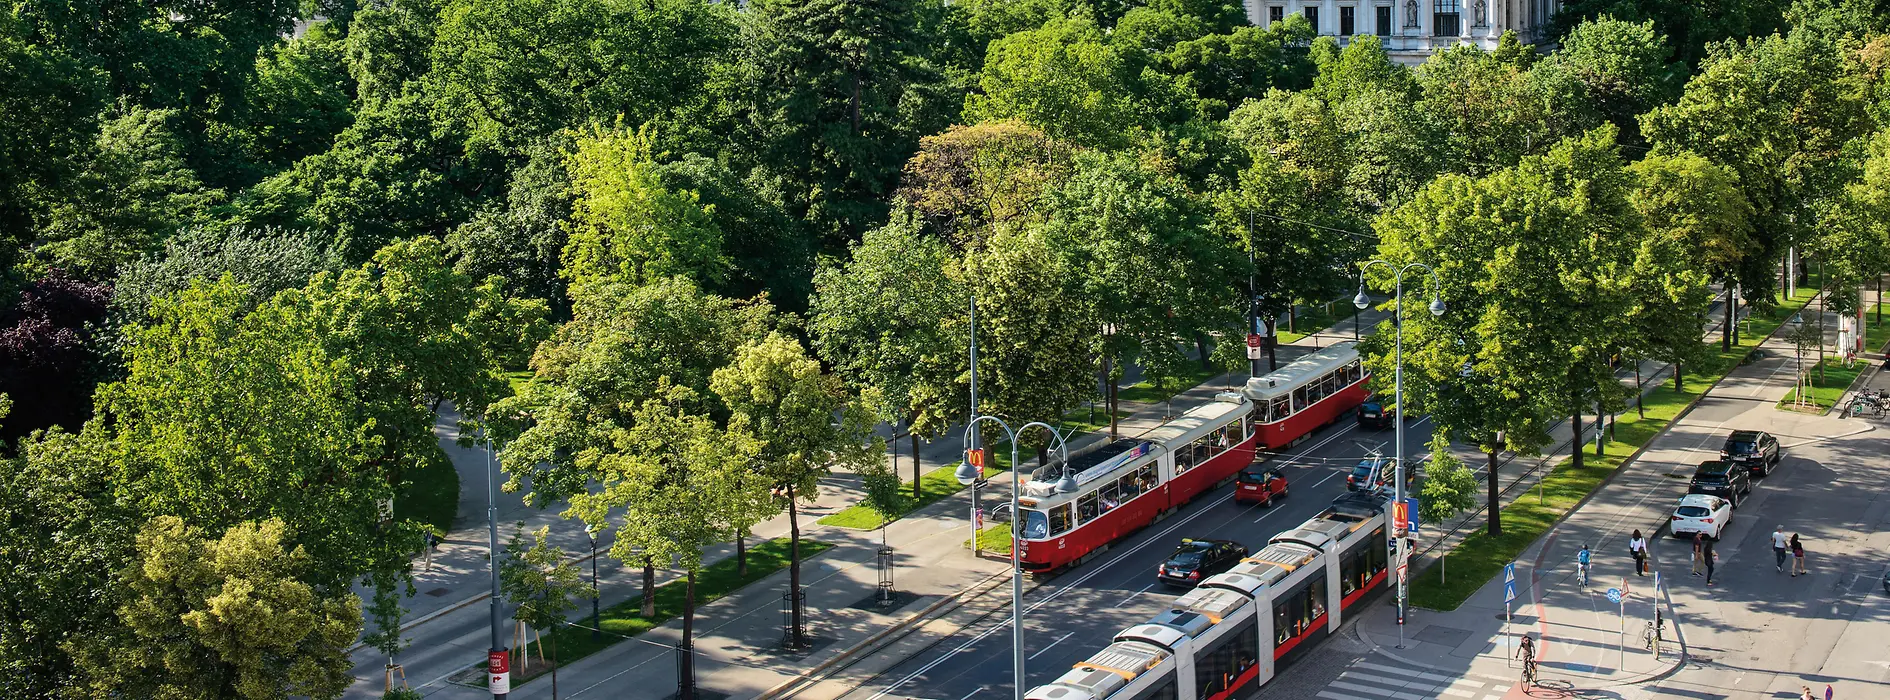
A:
498,658
1397,373
596,615
968,474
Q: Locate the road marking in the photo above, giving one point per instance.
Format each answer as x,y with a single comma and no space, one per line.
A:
1046,648
1125,601
974,692
1339,696
1380,692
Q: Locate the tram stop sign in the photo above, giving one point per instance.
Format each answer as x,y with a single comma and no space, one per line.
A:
1255,342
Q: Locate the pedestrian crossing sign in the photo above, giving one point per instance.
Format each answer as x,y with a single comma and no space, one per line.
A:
1509,572
1509,591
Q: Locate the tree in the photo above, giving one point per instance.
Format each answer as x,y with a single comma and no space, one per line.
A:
885,496
891,317
50,100
262,261
803,424
1489,113
1037,345
1534,264
232,617
1233,67
1622,67
1693,27
385,634
47,357
969,180
522,237
678,481
536,576
299,98
626,224
1449,485
1067,80
1696,206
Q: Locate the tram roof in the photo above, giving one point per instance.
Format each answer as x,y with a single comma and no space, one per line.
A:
1198,420
1283,380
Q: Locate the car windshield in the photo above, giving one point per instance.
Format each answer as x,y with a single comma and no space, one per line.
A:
1692,512
1710,477
1370,409
1253,476
1186,558
1036,525
1363,469
1740,448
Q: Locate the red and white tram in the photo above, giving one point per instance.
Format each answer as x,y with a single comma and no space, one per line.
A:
1127,484
1282,600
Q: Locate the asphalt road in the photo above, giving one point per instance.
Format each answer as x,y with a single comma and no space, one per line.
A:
1075,614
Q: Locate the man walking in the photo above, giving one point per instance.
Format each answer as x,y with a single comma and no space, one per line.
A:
1778,548
1707,556
1698,566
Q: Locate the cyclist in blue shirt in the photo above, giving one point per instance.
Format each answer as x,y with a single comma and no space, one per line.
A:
1581,560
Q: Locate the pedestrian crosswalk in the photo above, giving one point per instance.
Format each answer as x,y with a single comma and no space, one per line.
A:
1374,680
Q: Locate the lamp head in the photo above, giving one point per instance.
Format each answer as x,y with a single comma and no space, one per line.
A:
1361,301
1067,484
1437,306
965,473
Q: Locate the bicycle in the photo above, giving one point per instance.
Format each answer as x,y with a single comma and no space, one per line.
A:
1581,574
1651,637
1528,654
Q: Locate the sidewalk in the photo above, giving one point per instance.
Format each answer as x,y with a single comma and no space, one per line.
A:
1584,639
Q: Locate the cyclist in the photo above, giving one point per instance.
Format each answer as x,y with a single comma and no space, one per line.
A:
1581,565
1526,651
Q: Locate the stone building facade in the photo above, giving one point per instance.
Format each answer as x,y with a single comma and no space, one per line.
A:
1413,29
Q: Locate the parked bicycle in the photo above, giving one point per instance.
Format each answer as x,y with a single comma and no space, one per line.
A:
1651,638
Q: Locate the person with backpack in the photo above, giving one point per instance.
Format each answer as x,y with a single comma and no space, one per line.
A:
1798,556
1637,547
1581,564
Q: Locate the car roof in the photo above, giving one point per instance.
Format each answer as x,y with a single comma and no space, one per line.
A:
1713,467
1203,544
1701,499
1745,435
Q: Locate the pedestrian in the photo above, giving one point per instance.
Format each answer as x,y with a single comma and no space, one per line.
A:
1798,556
1779,546
1638,548
1804,693
1581,564
1699,564
1707,557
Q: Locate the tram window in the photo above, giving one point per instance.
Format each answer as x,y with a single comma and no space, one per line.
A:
1060,520
1110,496
1036,526
1086,508
1282,407
1379,557
1216,668
1352,373
1259,412
1128,487
1165,691
1301,398
1184,459
1145,478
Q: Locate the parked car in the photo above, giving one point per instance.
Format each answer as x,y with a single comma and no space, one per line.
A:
1195,560
1376,414
1700,513
1374,472
1259,483
1756,450
1723,479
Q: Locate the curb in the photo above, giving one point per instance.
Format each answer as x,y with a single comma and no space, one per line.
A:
885,636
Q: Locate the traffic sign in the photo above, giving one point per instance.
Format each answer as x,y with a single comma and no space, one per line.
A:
1509,591
1509,572
1656,583
1255,342
1614,595
499,672
1402,570
1411,511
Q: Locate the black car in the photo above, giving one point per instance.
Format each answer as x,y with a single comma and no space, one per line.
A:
1196,560
1756,450
1723,479
1375,414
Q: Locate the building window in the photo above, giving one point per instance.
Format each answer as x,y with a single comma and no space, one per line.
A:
1384,21
1275,14
1345,20
1444,22
1312,15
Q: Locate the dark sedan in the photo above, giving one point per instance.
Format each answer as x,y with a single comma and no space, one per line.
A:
1196,560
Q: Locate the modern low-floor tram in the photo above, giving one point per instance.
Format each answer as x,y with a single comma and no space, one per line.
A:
1282,600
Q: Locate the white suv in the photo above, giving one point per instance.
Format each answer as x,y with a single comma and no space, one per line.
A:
1702,513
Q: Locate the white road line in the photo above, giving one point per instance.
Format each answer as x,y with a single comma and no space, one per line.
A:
974,692
1415,674
1125,601
1380,692
1339,696
1458,693
1047,647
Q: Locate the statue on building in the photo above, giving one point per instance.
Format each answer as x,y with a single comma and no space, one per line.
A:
1483,13
1410,14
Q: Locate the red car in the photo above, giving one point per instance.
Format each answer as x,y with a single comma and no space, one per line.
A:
1259,483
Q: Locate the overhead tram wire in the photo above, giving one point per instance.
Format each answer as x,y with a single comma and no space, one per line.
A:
1321,227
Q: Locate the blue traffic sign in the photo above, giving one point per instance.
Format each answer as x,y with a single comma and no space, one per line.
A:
1411,507
1509,573
1509,591
1614,595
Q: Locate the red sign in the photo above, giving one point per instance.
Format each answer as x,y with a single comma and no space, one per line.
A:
499,672
1255,340
975,457
1400,517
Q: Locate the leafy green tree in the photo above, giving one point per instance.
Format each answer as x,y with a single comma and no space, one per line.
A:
1856,246
627,225
1229,68
135,192
1066,79
803,424
768,251
384,633
536,576
1489,113
389,45
680,483
1037,327
263,261
884,494
1535,265
1449,486
238,616
836,94
299,97
1153,30
522,236
1693,27
1359,68
969,180
1700,209
1622,67
891,317
594,372
50,100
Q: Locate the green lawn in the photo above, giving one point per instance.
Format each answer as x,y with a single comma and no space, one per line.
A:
717,580
431,494
1481,557
519,378
942,482
1145,391
1829,385
1314,318
995,539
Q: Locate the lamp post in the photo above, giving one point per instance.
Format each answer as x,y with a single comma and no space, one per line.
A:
596,615
1397,373
968,474
498,659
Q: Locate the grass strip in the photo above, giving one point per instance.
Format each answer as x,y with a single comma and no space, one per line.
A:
431,494
1318,317
1829,380
570,644
995,539
1480,557
1150,391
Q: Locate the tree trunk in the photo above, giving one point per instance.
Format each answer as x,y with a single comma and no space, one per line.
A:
917,464
1273,359
1496,513
741,553
1726,333
649,587
686,670
1601,441
1201,346
798,640
1640,392
1879,306
1575,424
1109,398
1292,318
1679,378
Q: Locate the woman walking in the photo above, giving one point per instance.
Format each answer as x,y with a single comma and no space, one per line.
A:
1638,547
1798,556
